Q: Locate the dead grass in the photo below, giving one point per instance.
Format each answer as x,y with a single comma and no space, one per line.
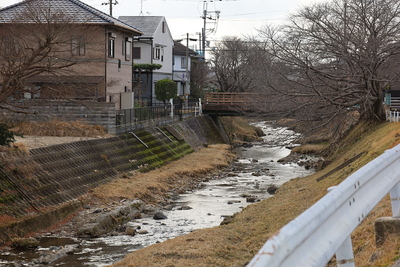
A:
240,130
312,149
59,128
153,186
236,243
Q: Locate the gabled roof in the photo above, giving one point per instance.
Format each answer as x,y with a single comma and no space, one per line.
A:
147,24
180,49
76,10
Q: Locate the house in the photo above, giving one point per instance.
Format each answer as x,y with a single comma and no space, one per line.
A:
182,64
84,54
153,47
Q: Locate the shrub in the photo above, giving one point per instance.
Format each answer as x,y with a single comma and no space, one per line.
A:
6,136
165,90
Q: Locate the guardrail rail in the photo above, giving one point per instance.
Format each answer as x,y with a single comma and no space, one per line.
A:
324,230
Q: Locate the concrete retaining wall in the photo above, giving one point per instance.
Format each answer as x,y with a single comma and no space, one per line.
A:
67,171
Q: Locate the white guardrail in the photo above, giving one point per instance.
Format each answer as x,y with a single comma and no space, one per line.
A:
324,229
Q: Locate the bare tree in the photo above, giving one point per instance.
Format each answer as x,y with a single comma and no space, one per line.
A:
233,61
336,56
41,40
200,77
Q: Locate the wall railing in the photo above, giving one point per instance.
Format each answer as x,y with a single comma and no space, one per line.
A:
138,118
393,116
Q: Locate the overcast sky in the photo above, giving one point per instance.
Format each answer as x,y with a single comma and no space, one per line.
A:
236,18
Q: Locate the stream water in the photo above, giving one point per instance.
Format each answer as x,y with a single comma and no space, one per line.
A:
246,181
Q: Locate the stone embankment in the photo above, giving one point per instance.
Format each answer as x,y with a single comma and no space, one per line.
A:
63,173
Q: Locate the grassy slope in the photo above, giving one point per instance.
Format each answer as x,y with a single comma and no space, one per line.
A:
236,243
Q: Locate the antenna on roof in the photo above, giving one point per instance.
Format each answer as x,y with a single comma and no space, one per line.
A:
111,3
141,8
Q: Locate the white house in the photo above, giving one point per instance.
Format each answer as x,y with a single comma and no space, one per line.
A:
182,64
153,47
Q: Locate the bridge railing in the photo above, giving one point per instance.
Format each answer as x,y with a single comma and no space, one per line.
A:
227,98
324,229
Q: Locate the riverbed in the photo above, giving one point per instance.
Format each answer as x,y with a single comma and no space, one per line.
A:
246,181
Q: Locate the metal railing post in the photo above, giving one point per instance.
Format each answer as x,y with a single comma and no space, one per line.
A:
344,254
172,107
395,200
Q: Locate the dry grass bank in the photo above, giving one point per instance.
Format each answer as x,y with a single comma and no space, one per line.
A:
153,186
236,243
59,128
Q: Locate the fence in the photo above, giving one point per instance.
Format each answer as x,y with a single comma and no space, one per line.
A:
317,234
138,118
393,116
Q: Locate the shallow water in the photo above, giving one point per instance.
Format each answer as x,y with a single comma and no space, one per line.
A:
251,175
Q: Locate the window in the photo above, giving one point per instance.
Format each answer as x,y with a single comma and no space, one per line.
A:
78,46
136,53
128,47
157,52
183,63
111,47
163,27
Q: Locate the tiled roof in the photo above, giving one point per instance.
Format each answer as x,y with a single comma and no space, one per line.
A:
180,49
147,24
76,10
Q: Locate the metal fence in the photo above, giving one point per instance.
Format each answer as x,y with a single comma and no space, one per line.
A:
138,118
323,230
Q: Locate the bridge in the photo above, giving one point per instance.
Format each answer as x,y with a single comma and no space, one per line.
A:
228,104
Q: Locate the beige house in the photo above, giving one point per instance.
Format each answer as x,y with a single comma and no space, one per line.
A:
68,49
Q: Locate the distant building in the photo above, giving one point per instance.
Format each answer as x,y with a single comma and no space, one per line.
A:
182,66
101,66
153,47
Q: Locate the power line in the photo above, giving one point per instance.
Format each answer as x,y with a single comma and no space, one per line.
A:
110,3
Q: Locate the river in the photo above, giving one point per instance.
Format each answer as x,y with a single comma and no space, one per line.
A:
245,182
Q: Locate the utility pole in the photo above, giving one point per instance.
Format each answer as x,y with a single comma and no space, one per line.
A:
111,3
187,87
207,15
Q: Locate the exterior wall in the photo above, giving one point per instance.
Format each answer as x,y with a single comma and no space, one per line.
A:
96,62
179,75
163,41
146,50
119,70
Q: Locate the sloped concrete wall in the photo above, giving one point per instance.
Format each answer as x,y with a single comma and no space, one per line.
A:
67,171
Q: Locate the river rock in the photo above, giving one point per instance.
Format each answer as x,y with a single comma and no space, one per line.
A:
135,215
169,207
48,257
159,216
185,207
226,220
252,199
272,189
143,232
25,243
150,210
130,231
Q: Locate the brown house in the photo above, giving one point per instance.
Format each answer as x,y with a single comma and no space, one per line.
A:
62,49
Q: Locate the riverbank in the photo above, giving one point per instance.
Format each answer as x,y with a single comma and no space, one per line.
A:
235,243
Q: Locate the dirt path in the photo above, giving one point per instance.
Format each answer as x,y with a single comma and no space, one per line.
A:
41,141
